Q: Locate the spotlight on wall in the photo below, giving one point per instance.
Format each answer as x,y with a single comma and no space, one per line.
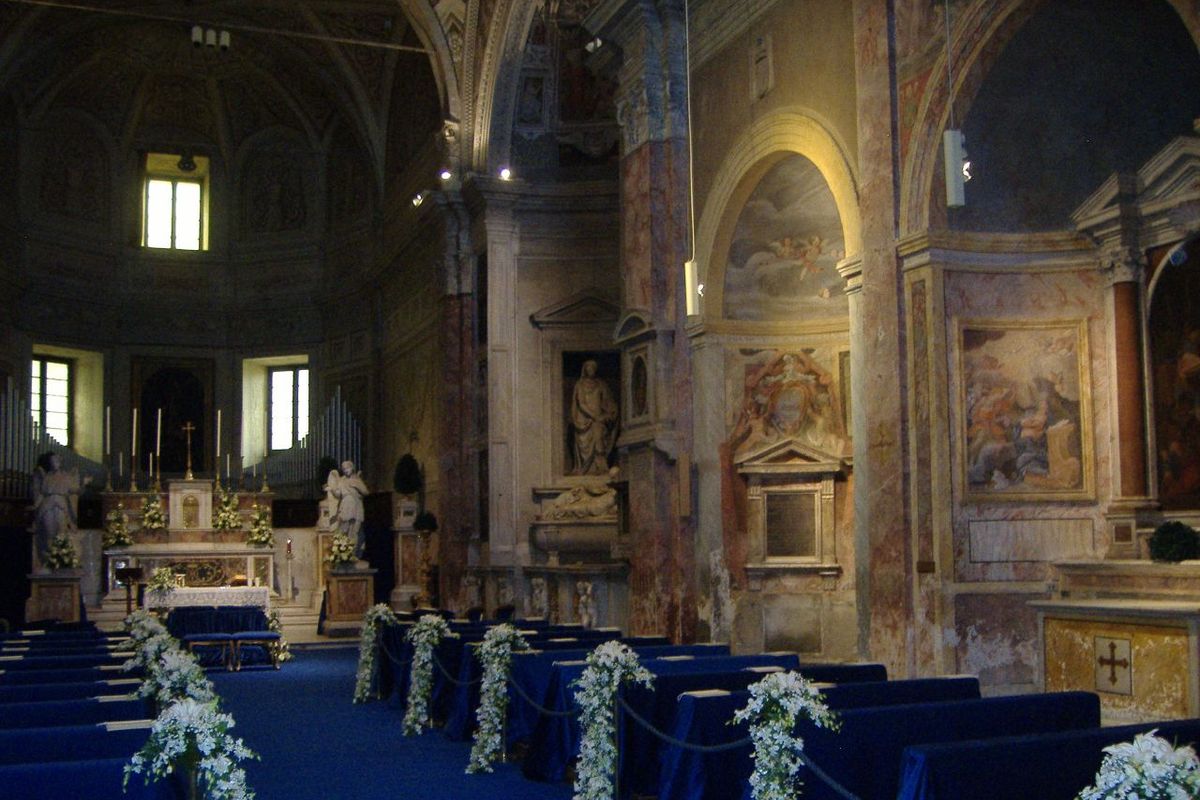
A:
505,174
445,174
594,45
418,198
957,167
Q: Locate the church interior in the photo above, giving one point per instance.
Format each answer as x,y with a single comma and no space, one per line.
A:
864,331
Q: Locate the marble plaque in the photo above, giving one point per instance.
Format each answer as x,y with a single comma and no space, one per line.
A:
1114,665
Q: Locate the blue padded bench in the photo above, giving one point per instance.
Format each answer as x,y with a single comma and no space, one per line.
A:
99,779
28,676
72,742
78,690
48,713
229,628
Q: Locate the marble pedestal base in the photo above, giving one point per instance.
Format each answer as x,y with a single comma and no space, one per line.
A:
54,595
350,594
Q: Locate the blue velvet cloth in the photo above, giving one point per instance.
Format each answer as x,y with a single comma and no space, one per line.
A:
691,775
47,713
878,736
1054,766
68,743
33,662
78,780
32,692
21,677
460,723
555,741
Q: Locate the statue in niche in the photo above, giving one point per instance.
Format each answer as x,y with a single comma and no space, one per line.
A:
55,500
538,605
349,489
593,420
276,197
584,502
585,604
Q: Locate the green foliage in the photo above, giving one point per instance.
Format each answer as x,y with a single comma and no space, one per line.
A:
1174,541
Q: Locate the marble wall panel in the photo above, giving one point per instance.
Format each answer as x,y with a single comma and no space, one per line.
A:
1030,540
995,636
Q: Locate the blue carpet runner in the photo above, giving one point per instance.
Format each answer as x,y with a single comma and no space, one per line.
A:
315,744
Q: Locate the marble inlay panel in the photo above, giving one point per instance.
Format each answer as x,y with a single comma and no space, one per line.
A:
1029,540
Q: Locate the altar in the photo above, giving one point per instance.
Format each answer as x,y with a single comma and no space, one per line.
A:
202,564
250,596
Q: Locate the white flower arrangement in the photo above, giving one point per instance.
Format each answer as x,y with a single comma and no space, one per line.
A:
143,625
153,518
608,666
175,675
161,584
424,636
195,736
280,650
1148,768
341,551
61,554
368,668
225,515
777,702
260,534
495,653
149,650
116,529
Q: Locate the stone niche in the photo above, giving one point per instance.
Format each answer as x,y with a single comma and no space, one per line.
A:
794,599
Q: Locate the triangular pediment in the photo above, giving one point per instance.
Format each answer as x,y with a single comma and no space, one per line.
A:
790,456
581,308
632,324
1170,178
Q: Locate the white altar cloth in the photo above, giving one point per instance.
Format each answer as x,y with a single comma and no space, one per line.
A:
259,596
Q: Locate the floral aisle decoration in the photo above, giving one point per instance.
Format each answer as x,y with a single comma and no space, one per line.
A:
608,666
1148,768
777,702
148,651
161,584
261,534
116,529
174,675
341,552
368,650
143,625
153,518
61,554
195,736
424,636
495,653
226,516
280,650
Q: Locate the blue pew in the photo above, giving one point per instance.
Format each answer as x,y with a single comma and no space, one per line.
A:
70,743
49,713
706,720
28,676
34,692
876,737
99,779
1052,766
555,741
15,663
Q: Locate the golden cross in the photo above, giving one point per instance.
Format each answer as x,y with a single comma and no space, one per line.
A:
188,427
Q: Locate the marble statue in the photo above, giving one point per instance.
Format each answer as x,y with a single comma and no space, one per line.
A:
349,489
585,603
55,498
593,421
538,605
582,502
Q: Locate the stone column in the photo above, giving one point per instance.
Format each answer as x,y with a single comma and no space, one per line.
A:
883,548
652,109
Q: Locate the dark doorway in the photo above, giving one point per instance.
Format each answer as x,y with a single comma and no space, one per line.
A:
179,394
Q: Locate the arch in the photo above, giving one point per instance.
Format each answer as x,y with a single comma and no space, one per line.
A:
764,144
496,98
979,38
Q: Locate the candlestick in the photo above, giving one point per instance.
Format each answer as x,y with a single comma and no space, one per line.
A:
218,462
227,467
133,443
158,437
108,430
121,464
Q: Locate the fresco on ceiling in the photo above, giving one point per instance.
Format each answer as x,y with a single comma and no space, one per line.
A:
785,248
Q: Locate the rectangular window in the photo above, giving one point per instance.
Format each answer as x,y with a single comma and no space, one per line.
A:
50,398
175,202
287,406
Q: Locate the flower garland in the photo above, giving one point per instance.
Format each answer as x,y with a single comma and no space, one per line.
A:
149,650
175,675
776,703
61,554
341,551
225,515
1148,768
260,534
280,650
161,584
495,653
153,518
143,625
424,636
368,669
608,666
195,735
116,529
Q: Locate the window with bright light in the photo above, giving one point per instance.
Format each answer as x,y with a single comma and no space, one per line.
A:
175,202
287,402
50,398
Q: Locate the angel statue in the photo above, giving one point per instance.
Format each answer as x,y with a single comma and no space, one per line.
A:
55,500
349,490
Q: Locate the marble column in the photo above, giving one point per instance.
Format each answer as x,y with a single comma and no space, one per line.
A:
652,110
883,549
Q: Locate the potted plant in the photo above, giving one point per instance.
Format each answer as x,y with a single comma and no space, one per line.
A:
1174,541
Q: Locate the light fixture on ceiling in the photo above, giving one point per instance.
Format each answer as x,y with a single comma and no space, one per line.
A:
505,174
594,45
418,198
186,163
210,37
446,175
954,151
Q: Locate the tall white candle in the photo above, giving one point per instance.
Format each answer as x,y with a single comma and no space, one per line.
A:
152,465
121,464
158,436
108,430
219,439
227,467
133,444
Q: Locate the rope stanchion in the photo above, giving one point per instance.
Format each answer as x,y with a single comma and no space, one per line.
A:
451,678
399,662
549,712
826,779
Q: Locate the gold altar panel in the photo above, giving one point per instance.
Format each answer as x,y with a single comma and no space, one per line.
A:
1157,685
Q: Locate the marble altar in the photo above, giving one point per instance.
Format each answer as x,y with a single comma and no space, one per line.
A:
258,596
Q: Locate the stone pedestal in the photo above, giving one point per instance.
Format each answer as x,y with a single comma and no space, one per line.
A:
54,595
350,594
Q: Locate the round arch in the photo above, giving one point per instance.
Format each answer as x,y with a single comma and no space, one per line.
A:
763,145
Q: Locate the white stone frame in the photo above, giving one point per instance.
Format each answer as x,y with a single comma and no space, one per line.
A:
823,521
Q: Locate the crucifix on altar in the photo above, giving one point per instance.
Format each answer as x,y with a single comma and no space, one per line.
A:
187,428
